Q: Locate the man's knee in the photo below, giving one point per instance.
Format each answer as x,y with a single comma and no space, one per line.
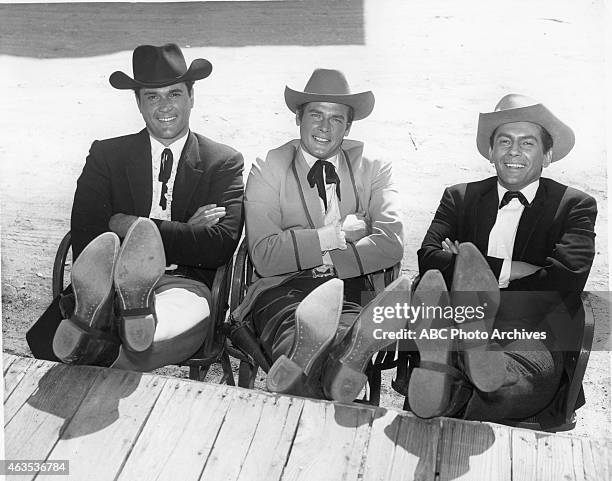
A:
178,310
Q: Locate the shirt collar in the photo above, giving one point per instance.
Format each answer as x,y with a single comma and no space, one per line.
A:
311,159
528,191
176,147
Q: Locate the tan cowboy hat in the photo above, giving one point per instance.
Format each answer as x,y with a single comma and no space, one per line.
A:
519,108
330,86
156,67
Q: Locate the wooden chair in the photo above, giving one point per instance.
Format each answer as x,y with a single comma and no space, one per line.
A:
243,344
200,362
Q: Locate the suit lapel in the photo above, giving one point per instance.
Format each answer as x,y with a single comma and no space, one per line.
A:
311,196
139,175
188,177
530,219
484,216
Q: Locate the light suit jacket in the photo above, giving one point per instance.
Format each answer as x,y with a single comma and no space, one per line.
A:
283,212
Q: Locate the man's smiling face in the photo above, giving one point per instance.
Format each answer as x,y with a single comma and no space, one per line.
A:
518,154
166,111
323,126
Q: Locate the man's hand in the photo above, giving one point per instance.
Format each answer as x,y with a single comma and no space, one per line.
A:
450,246
519,269
207,216
120,223
331,237
355,227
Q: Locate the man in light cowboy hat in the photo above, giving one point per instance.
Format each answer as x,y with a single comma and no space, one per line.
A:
154,214
317,211
520,235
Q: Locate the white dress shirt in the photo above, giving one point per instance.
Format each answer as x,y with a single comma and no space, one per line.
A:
332,215
503,233
156,151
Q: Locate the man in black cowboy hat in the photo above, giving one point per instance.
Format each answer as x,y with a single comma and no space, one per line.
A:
318,212
517,243
154,214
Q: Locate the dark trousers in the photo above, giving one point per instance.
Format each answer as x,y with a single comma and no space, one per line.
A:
533,367
533,374
273,313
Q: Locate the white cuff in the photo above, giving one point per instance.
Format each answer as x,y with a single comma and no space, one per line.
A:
504,274
327,237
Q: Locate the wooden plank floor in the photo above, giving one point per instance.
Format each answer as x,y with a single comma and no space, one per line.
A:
129,426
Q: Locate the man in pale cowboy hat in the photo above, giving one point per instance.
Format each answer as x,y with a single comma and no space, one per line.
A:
522,246
320,219
154,214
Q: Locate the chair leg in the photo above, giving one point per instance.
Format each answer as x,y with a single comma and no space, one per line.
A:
194,373
228,375
203,372
247,374
374,380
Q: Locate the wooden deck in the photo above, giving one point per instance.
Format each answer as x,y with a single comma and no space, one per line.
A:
128,426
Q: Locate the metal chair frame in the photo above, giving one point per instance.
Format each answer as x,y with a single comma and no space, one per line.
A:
198,363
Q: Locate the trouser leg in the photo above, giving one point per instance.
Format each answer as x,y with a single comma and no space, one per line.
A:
533,375
182,308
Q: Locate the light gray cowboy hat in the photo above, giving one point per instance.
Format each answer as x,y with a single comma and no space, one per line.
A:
519,108
327,85
156,67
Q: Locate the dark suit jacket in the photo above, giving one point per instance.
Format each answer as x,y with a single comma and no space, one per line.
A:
117,178
557,232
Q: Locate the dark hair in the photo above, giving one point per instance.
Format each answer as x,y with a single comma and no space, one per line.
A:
547,141
299,111
188,84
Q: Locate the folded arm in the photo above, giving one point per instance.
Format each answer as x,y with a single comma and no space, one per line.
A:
198,242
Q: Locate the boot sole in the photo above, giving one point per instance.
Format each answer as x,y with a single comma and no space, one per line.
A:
429,391
140,264
92,283
475,284
344,377
316,320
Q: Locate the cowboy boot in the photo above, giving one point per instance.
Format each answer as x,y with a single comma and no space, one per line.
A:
474,285
344,374
316,322
88,335
140,264
431,382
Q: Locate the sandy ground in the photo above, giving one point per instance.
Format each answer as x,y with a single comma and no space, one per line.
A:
432,66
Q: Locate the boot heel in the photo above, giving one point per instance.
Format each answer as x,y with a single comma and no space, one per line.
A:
284,376
74,345
343,383
428,393
69,339
137,332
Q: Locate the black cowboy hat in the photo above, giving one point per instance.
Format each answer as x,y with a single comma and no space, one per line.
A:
156,67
